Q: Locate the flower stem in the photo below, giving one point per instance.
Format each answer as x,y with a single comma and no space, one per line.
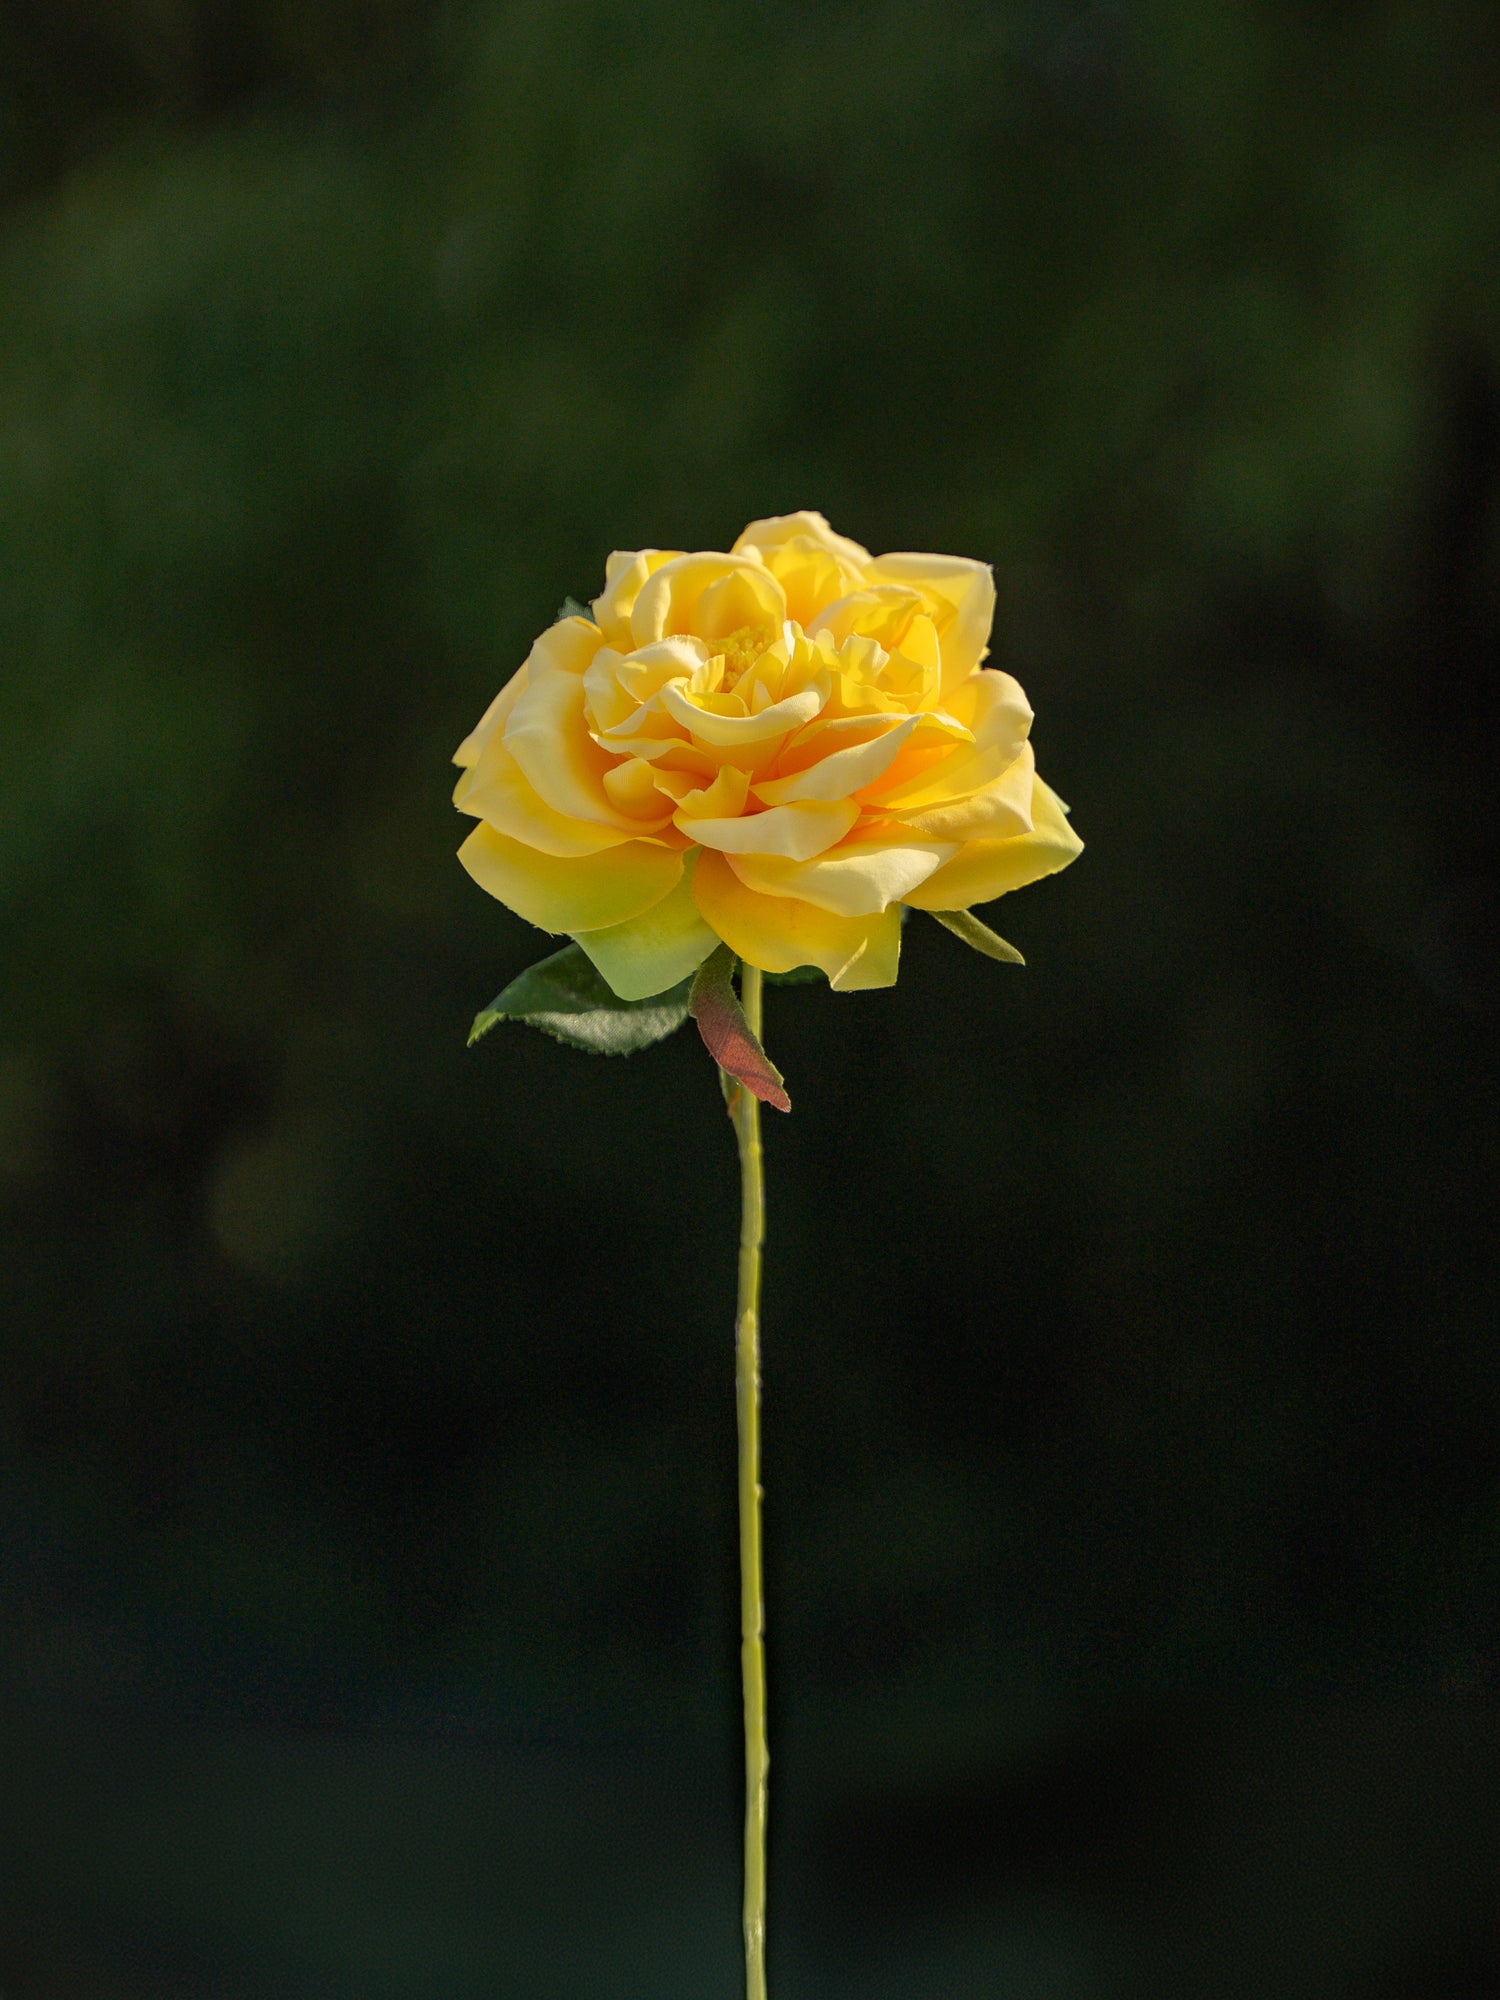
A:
747,1399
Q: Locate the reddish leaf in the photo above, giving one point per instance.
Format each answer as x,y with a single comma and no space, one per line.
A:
715,1006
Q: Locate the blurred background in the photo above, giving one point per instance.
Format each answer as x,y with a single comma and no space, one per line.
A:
367,1590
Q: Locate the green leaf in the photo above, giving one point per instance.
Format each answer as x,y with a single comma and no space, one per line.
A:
978,936
800,975
715,1006
571,608
567,999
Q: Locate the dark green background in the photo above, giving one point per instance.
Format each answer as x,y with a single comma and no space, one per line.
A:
1133,1394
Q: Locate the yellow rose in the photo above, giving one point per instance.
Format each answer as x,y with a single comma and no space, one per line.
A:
775,748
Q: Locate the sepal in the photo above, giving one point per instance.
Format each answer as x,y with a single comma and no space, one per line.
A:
979,937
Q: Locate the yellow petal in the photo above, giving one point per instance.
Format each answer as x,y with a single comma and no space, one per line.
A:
605,700
707,594
778,529
649,733
654,951
914,671
958,594
496,790
778,933
686,766
984,869
853,879
858,879
570,645
563,895
798,832
632,790
828,733
878,959
548,736
884,615
724,798
840,774
566,647
471,749
999,718
645,671
813,565
624,573
993,705
727,732
810,578
996,812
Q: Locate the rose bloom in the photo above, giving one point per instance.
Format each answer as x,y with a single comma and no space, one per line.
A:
777,747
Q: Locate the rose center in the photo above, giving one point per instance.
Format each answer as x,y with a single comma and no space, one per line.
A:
741,649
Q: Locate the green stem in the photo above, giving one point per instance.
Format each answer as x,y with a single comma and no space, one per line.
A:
747,1398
